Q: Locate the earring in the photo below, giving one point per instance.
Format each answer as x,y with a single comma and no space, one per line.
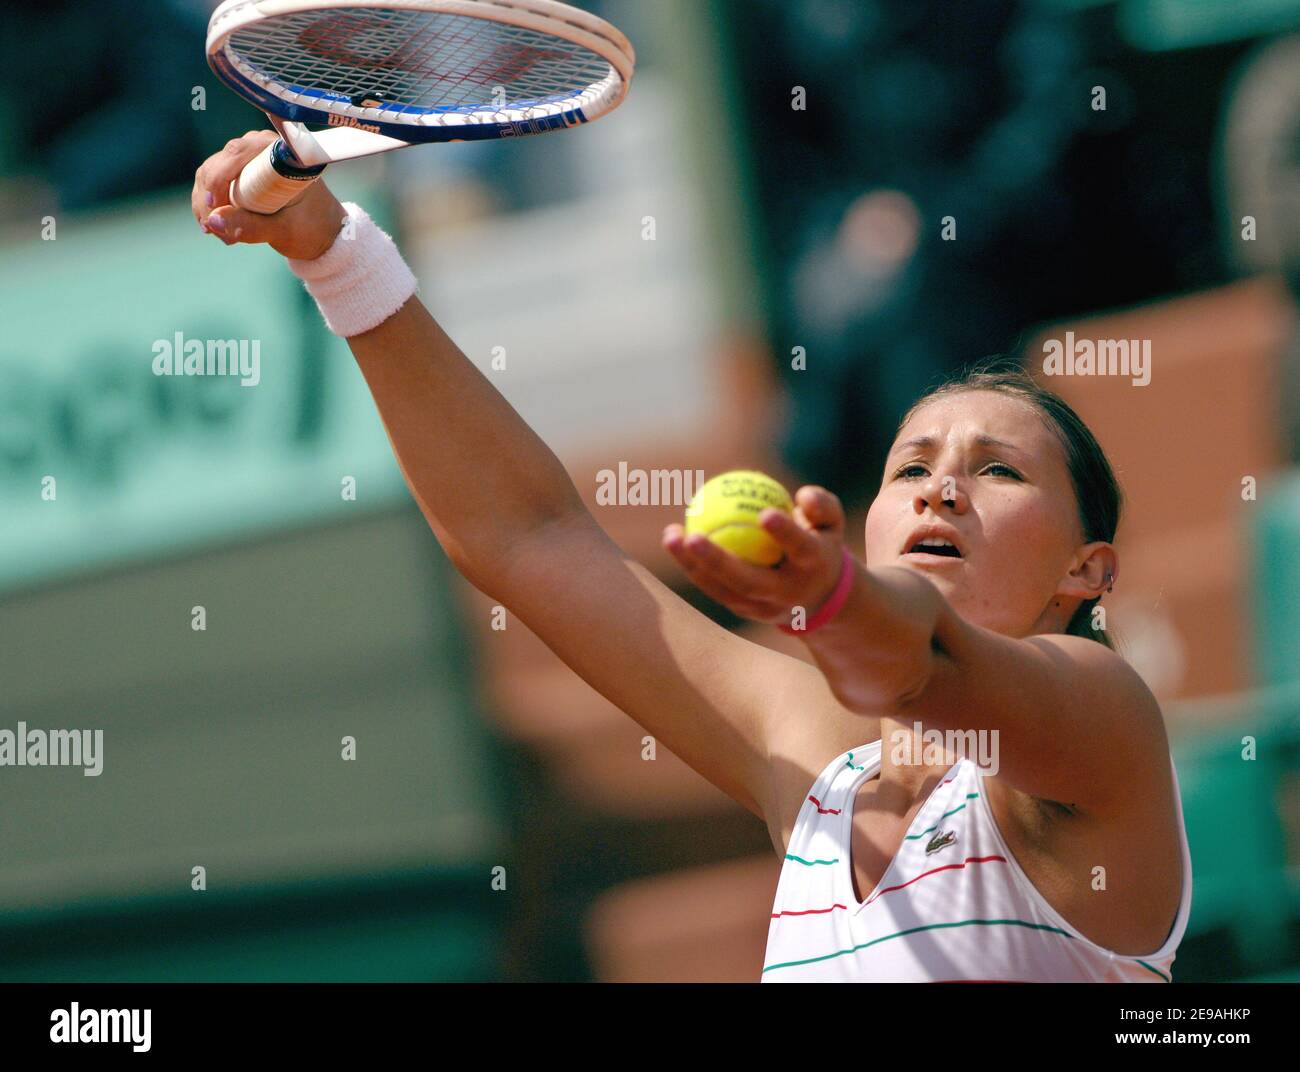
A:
1110,583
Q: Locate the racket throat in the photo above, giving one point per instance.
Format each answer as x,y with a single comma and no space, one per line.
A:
291,156
286,163
309,149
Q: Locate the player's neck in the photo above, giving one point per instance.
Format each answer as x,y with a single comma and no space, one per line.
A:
910,758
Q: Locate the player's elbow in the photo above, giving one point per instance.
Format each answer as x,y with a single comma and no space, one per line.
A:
501,566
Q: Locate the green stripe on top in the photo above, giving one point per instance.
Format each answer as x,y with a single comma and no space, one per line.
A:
1166,978
928,927
849,763
801,860
932,829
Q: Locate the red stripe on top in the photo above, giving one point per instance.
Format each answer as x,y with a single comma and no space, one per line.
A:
810,911
890,889
935,871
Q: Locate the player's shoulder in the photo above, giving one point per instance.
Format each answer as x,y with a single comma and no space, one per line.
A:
1096,666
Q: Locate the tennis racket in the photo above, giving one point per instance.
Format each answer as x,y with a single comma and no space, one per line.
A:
384,75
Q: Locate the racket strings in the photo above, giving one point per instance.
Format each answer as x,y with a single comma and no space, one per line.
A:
418,61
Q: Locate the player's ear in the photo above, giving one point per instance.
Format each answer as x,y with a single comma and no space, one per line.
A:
1094,572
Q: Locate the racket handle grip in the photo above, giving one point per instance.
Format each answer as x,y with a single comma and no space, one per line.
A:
272,180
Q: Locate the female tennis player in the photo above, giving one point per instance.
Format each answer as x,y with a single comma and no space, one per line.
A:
987,548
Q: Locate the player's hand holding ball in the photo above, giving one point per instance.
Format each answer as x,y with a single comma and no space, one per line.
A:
302,230
748,546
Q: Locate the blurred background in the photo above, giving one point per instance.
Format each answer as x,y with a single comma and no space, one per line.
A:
773,193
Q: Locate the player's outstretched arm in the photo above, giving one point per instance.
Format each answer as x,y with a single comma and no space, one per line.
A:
1075,722
752,721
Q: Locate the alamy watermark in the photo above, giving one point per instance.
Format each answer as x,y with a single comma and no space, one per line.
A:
932,747
75,1024
53,748
647,487
179,356
1098,357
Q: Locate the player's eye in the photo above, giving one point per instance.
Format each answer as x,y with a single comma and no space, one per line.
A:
998,469
909,471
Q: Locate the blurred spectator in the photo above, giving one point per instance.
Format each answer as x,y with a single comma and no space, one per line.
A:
116,115
919,110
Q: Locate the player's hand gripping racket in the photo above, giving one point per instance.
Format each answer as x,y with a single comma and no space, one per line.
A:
384,75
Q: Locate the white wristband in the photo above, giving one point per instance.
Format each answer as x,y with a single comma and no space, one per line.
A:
361,280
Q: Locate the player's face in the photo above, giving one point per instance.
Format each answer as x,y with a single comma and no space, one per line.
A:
989,475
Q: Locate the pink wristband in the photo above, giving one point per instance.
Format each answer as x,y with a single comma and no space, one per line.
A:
833,605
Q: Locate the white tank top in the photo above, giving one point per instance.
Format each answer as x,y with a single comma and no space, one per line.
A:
953,905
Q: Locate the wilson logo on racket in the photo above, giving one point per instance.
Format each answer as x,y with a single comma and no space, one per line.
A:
334,39
331,38
348,121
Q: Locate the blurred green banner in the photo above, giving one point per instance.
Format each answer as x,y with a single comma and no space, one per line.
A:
106,454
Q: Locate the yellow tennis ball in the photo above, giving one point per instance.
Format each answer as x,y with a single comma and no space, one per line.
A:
726,510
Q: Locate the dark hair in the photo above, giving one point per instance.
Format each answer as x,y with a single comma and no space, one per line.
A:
1096,491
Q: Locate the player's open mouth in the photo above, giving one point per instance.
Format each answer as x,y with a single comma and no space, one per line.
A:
934,546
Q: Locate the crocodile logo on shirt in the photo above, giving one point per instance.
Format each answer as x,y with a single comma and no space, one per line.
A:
940,841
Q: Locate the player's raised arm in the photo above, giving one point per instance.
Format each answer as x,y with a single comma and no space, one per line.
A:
510,519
